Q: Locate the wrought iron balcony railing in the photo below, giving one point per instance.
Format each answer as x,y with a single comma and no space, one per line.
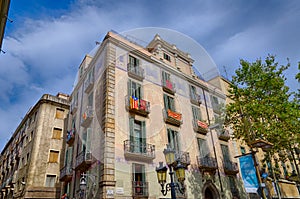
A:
87,117
140,189
183,157
88,84
84,160
230,168
168,86
136,105
195,99
139,150
200,127
66,173
224,135
207,164
135,71
172,117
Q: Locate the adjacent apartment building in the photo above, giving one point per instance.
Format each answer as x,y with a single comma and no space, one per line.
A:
131,101
30,161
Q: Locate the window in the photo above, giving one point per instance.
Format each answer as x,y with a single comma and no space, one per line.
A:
203,148
165,77
56,133
27,157
225,152
193,92
232,185
50,180
169,102
53,158
133,62
196,113
173,140
31,136
167,57
135,89
91,99
139,179
59,113
243,150
137,136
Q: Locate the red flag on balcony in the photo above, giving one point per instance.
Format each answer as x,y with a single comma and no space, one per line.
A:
169,85
202,124
143,104
174,115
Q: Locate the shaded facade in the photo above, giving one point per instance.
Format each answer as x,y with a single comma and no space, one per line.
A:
30,161
128,104
4,7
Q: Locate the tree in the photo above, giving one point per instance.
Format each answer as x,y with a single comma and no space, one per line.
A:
261,107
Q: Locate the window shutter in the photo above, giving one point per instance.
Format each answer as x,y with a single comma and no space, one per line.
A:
144,144
225,152
172,104
88,139
166,102
137,62
131,128
129,89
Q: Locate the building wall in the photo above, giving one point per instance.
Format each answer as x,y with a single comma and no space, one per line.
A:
31,144
112,166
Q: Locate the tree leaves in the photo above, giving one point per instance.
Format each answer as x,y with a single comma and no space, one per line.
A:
262,107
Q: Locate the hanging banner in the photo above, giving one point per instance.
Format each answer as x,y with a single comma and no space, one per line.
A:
248,173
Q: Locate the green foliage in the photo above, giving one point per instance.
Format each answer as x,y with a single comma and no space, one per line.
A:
262,108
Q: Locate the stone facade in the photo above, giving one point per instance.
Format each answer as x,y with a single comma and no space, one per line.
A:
30,161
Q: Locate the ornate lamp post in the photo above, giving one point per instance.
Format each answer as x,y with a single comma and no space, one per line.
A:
162,174
83,183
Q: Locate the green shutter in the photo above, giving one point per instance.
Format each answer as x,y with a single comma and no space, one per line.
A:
129,89
88,139
137,62
225,152
143,138
171,103
166,102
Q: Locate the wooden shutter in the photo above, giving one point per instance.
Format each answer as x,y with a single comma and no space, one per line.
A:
59,113
53,158
56,133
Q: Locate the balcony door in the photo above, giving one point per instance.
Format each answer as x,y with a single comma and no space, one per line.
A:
173,140
139,178
135,89
225,152
203,148
137,136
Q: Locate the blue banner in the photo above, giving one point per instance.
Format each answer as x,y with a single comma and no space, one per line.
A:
248,173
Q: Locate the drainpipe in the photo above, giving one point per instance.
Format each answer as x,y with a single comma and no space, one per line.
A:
212,139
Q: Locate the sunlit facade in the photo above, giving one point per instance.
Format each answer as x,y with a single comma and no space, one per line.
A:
129,102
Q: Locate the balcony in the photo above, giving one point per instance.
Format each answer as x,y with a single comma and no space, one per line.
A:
87,117
172,117
140,189
168,86
183,157
224,135
230,168
200,127
137,106
71,136
66,174
139,151
217,108
207,164
135,71
88,84
195,99
74,108
83,161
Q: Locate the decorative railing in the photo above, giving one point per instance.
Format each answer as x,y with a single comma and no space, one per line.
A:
195,99
66,173
172,117
207,164
74,107
230,168
87,116
140,188
136,149
183,157
71,136
83,160
224,135
168,86
88,84
136,105
200,126
135,71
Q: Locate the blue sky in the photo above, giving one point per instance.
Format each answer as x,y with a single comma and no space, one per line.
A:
48,39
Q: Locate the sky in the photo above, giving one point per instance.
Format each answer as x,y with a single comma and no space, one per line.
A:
47,40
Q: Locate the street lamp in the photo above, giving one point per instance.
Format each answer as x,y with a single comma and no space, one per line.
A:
83,183
173,164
